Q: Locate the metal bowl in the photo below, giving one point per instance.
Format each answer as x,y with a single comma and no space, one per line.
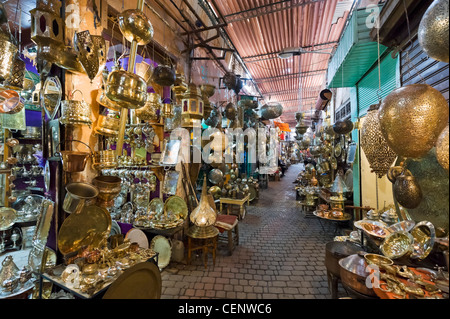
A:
405,225
375,259
424,236
353,274
397,245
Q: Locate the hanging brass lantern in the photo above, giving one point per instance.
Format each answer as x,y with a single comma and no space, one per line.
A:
433,31
47,31
8,52
192,107
126,89
17,75
411,119
378,152
87,53
442,150
167,110
203,217
207,90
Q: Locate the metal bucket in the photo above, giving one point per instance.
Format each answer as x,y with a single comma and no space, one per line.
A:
77,195
74,161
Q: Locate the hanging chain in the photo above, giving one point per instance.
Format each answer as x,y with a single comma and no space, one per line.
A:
379,62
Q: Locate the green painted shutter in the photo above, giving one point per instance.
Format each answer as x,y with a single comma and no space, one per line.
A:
368,85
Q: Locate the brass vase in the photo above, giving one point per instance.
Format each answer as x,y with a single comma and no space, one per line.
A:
108,188
433,31
407,191
411,119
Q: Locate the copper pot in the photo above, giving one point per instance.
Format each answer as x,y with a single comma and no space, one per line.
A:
353,274
75,161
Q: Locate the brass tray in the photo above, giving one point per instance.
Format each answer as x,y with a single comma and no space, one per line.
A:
89,227
7,217
142,281
177,206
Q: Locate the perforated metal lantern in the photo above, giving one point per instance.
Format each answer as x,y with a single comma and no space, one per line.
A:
88,51
411,119
17,75
442,150
8,52
192,107
433,31
378,152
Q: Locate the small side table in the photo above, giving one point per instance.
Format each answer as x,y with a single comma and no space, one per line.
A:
239,202
206,245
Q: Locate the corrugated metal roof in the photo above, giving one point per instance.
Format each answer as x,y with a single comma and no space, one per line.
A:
259,29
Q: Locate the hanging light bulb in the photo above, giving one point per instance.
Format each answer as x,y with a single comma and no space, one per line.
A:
378,152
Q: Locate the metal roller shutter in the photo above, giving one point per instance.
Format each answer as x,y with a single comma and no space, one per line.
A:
422,69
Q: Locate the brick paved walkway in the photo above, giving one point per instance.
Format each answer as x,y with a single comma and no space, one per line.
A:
280,256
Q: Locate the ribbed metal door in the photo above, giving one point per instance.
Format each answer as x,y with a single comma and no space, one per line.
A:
417,67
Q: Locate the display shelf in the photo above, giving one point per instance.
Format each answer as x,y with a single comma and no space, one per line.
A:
98,292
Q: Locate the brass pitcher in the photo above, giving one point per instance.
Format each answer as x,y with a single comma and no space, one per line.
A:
407,191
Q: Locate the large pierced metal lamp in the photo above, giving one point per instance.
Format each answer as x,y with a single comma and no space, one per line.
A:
203,217
378,152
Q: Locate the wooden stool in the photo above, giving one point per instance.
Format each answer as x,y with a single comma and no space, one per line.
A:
206,245
229,223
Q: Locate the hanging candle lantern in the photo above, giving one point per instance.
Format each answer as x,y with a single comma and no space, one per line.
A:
8,54
411,119
442,150
47,31
378,152
207,90
87,53
192,107
17,75
203,217
433,31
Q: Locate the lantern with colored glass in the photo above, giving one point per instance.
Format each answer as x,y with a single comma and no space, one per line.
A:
192,107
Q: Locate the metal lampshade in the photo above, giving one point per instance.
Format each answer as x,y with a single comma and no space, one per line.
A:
411,119
378,152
